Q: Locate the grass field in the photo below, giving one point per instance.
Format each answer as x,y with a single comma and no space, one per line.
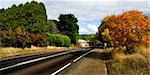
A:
8,52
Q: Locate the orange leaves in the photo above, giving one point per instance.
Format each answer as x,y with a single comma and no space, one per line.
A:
133,37
142,25
146,39
130,27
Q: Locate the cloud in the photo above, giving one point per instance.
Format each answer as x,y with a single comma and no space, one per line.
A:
89,29
92,28
83,30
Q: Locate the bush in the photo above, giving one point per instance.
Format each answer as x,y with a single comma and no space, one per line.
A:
39,40
19,41
22,39
67,41
5,41
58,40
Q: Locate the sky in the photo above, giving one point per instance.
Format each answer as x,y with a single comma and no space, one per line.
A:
88,12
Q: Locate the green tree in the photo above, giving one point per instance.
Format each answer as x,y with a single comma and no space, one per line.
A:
17,23
52,27
30,16
68,26
85,37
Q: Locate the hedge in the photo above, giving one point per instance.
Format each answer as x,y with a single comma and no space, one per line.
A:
39,40
58,40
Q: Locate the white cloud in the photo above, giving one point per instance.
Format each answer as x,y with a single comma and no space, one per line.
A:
92,28
89,29
83,30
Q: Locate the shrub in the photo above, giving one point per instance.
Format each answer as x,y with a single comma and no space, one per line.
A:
67,41
58,40
22,39
39,40
5,41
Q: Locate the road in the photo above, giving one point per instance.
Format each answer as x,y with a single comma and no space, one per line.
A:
92,64
79,63
37,65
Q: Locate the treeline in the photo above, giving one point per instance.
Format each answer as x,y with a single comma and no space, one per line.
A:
85,36
26,24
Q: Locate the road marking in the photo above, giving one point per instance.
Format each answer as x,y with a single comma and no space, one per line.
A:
34,60
81,56
61,69
67,65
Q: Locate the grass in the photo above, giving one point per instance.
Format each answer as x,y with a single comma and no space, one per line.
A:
8,52
132,64
145,51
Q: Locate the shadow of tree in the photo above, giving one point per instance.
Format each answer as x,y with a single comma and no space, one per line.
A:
98,55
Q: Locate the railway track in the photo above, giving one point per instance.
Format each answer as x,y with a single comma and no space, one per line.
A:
51,63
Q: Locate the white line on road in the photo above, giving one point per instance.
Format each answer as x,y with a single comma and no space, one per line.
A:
67,65
82,56
61,69
34,60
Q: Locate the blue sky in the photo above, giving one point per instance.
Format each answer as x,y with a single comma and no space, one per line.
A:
88,12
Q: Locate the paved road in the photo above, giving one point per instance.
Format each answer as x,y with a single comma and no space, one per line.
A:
88,65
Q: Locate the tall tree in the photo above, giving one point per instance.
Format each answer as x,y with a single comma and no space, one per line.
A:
68,26
30,16
52,27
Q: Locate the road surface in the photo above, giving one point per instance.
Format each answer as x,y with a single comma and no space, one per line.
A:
92,64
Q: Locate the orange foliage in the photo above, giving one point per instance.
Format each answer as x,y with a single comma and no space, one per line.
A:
128,29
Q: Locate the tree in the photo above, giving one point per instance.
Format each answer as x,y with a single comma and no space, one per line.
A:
18,23
68,26
94,39
85,36
52,27
129,29
31,17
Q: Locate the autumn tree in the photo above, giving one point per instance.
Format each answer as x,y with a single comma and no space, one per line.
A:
129,29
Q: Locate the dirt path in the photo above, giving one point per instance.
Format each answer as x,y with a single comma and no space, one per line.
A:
87,66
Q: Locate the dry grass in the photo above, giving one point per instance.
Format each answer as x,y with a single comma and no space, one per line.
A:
145,51
11,52
133,64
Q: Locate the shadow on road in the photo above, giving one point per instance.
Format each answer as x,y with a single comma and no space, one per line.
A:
98,55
